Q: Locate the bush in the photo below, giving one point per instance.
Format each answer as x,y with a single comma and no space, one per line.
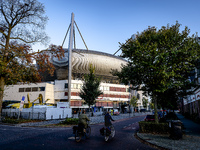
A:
152,127
70,121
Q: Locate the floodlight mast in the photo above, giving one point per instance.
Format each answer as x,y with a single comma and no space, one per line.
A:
133,37
71,38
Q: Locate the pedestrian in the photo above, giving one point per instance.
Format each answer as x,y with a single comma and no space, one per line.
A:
111,112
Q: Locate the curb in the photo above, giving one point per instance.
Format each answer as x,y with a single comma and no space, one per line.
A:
149,143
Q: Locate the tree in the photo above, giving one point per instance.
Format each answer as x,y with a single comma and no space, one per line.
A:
134,101
21,24
158,60
169,99
90,89
145,102
151,105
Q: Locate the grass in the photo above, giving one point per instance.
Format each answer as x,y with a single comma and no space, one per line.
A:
68,122
18,121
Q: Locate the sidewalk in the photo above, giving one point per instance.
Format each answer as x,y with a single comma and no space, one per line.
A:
93,120
190,140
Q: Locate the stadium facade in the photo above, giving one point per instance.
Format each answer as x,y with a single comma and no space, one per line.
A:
56,88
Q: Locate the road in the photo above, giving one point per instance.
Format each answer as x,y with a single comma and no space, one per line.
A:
60,138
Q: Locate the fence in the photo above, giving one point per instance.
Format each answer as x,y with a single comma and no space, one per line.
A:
39,113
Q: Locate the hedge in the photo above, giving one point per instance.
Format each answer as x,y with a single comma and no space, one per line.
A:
152,127
70,121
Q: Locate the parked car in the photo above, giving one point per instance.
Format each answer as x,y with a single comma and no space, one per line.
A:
143,110
149,118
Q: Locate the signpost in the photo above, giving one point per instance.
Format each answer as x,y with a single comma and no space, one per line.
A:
21,105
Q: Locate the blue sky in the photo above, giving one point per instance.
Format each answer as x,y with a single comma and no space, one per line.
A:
105,23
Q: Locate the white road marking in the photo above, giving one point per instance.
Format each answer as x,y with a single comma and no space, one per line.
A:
71,138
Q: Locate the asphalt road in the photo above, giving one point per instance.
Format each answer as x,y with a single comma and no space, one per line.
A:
38,138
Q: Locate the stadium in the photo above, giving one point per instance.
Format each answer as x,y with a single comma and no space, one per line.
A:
55,88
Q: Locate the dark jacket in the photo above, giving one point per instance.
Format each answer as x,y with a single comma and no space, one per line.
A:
108,119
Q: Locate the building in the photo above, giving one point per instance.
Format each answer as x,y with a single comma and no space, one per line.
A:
16,92
190,105
56,88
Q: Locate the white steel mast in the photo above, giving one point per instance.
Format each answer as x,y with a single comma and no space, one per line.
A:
71,38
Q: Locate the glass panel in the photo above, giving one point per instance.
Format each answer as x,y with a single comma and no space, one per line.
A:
34,89
41,88
28,90
21,89
66,85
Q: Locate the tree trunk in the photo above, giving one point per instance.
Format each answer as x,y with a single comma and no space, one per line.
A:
2,83
155,110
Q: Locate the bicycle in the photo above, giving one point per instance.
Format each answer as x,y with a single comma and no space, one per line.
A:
79,133
108,132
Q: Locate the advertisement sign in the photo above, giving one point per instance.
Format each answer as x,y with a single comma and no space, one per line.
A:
63,105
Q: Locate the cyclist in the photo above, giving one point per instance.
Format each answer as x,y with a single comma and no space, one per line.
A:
83,118
108,119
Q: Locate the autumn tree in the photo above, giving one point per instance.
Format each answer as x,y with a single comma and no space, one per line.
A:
21,25
159,59
90,89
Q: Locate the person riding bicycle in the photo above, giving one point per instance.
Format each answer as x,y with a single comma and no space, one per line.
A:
108,119
83,118
108,123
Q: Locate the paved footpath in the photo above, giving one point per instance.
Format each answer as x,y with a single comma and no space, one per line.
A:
190,140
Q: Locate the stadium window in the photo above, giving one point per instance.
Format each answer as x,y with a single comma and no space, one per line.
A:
66,85
101,88
21,89
138,96
34,89
106,88
127,89
28,90
41,88
66,94
72,86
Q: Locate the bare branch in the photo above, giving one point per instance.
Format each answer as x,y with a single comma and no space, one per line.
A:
25,41
2,45
2,11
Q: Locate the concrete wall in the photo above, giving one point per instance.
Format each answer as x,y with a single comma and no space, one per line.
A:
58,113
